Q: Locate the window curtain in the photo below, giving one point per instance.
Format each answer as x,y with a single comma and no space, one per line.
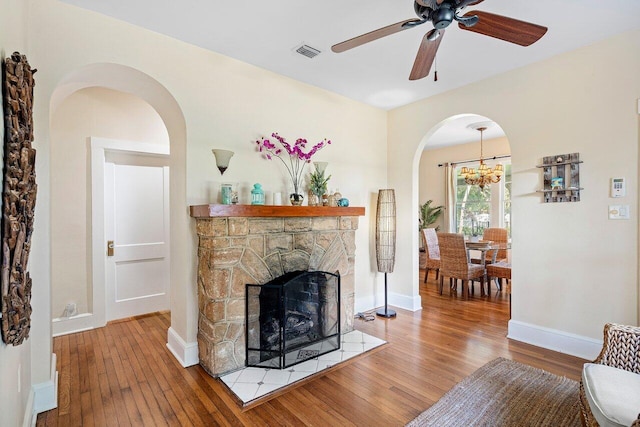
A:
449,197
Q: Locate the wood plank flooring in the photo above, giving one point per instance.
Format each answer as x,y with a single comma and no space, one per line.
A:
123,374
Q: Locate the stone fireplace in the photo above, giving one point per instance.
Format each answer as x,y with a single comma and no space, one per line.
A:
240,245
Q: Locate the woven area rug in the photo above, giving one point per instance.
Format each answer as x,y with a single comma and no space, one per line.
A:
506,393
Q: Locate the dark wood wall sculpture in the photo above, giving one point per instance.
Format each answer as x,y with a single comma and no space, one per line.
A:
18,198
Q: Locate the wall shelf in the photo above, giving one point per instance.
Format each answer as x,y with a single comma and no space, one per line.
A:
561,177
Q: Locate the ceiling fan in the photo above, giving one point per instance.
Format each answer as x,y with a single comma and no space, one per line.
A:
441,13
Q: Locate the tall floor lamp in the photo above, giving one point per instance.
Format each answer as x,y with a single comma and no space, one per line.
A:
386,241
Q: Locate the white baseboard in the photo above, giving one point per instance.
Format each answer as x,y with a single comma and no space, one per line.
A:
411,303
553,339
42,397
186,353
397,300
364,304
30,417
71,325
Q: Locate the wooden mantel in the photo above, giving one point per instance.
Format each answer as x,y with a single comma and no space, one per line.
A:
215,210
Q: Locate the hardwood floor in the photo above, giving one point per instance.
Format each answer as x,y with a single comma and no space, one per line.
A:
124,375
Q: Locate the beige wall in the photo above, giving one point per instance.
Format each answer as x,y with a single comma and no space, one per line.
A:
91,112
431,178
573,268
225,103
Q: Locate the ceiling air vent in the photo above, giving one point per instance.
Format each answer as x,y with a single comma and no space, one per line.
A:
307,51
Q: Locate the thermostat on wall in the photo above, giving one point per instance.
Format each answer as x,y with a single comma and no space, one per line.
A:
618,187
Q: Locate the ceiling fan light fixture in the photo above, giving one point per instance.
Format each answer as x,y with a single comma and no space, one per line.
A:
442,17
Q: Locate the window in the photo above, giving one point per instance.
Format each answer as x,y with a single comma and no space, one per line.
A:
477,209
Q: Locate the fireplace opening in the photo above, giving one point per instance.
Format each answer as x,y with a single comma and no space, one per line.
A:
292,318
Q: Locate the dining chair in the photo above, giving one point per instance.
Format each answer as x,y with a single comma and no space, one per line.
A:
500,270
496,235
432,251
455,264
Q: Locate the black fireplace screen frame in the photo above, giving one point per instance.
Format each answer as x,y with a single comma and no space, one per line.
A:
292,319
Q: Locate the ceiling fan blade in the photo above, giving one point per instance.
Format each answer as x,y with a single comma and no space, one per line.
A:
504,28
374,35
426,54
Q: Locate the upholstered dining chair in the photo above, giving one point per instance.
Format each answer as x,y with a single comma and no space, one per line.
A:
455,264
432,251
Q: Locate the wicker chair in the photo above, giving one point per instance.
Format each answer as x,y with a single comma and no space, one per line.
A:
621,349
454,263
499,270
496,235
432,251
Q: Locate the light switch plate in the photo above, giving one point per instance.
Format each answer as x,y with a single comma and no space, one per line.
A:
618,211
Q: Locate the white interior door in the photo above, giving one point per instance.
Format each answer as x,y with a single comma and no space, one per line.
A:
137,230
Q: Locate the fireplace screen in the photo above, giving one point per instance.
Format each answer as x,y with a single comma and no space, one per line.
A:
293,318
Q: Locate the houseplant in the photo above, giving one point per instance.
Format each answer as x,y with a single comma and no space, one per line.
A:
428,214
296,161
317,186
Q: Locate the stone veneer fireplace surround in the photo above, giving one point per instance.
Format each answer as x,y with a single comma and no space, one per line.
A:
240,244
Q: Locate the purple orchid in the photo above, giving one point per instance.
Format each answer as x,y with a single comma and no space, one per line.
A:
297,156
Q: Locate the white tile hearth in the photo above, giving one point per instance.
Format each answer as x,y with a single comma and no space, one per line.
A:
253,383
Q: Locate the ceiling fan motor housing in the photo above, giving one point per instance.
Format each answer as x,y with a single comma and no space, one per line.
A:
443,16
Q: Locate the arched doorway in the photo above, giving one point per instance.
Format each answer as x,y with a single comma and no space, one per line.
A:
450,145
145,88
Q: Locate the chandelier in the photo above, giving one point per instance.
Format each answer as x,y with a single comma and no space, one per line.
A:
484,175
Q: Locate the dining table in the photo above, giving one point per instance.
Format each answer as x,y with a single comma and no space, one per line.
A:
484,246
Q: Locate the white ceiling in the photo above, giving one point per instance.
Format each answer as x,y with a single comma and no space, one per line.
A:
266,34
463,129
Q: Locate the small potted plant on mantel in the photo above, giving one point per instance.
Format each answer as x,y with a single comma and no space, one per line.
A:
317,187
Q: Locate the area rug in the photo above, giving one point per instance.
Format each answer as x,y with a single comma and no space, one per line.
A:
506,393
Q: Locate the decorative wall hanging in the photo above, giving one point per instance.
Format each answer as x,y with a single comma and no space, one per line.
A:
561,178
18,198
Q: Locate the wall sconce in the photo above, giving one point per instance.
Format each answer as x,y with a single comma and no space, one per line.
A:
222,159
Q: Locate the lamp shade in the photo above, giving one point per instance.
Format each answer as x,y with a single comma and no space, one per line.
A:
222,159
386,230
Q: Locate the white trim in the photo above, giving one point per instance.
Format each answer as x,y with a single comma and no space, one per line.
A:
70,325
42,397
186,353
30,416
408,302
553,339
99,146
364,304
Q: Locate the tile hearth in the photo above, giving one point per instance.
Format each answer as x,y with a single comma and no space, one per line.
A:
249,384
